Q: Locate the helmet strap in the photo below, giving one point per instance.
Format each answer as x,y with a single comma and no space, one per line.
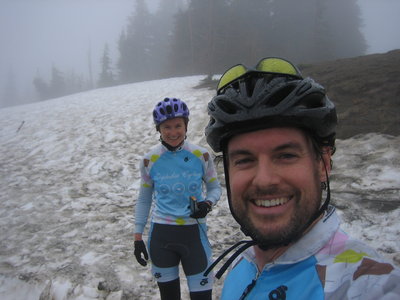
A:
228,188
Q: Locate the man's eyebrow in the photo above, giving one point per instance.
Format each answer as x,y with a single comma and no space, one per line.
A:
285,146
289,145
238,152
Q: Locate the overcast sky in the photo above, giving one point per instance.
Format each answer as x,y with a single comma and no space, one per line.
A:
35,34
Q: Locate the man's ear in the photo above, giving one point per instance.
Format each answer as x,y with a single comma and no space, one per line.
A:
325,163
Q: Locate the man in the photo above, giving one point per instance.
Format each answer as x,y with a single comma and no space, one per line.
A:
276,131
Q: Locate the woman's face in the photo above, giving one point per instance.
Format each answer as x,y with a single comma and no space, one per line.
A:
173,131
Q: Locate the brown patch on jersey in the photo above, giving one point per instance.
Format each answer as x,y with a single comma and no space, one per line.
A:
321,271
372,267
206,156
146,162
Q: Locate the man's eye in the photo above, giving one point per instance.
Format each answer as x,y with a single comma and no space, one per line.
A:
287,156
242,161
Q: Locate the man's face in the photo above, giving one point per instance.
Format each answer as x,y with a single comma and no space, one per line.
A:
275,181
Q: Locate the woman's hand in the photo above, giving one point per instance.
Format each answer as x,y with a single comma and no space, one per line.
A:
204,208
140,249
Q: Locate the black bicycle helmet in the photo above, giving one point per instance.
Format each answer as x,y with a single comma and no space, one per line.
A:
260,102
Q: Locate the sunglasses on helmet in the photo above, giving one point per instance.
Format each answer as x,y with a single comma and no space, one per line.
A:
269,65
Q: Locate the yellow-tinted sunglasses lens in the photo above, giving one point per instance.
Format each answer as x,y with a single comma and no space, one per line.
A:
230,75
277,65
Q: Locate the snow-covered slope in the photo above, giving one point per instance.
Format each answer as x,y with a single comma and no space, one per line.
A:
69,178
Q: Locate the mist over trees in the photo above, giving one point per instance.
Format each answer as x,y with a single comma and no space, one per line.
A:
207,36
60,84
212,35
187,37
106,77
145,43
10,93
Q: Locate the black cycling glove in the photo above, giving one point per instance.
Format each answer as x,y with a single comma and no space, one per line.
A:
203,208
140,249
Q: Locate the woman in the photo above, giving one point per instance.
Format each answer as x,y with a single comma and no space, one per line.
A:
173,173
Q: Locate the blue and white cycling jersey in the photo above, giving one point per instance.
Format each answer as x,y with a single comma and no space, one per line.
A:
171,178
324,264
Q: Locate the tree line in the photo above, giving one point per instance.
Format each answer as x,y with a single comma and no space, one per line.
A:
190,37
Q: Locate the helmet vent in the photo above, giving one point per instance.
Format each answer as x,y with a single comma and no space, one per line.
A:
311,101
227,106
279,96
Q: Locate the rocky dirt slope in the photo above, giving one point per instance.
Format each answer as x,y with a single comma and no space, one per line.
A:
366,90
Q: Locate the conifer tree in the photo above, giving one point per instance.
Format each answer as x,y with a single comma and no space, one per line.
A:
57,83
106,77
136,46
196,38
41,87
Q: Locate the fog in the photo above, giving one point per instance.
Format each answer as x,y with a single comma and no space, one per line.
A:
38,34
381,23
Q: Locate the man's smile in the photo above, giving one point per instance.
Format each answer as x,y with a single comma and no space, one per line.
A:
271,202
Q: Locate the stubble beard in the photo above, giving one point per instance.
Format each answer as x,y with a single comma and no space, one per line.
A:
285,235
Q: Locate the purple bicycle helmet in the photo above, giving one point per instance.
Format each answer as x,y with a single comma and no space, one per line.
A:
170,108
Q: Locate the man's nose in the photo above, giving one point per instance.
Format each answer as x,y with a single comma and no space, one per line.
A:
266,174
